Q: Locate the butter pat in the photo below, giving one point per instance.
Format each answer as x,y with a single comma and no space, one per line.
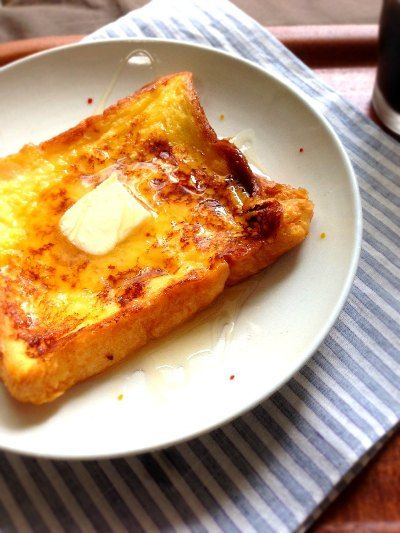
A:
102,218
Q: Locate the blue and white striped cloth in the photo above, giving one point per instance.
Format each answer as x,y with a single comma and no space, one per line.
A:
275,468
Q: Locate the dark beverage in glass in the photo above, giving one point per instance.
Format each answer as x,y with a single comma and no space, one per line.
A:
386,98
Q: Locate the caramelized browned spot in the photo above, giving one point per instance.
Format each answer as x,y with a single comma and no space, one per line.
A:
265,218
131,293
238,166
41,343
42,249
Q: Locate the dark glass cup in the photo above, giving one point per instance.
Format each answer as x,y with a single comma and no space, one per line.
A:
386,97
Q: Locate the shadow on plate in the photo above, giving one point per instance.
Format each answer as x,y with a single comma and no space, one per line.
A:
17,415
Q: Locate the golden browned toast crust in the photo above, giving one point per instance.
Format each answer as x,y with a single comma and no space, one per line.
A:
66,315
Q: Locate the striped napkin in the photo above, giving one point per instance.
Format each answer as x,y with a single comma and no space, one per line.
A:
277,467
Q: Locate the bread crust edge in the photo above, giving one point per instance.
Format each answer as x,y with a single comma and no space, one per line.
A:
96,348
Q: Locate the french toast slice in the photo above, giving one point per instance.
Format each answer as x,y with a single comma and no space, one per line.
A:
66,315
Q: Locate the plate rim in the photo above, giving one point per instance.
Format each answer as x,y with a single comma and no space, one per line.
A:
341,299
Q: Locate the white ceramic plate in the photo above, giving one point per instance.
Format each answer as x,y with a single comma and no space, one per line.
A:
260,332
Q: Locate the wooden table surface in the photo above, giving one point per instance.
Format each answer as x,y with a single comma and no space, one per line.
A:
345,57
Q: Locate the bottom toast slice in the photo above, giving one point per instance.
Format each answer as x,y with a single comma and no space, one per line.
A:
65,314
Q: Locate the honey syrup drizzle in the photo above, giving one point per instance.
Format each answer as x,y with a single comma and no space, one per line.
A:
137,57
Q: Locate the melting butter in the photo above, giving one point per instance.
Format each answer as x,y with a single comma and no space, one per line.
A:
103,217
